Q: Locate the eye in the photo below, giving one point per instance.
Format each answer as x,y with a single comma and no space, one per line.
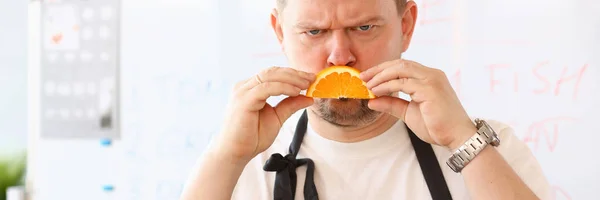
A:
314,32
365,27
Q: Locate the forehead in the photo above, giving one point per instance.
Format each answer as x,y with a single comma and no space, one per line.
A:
338,11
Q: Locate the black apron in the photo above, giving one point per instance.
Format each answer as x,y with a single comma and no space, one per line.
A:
285,168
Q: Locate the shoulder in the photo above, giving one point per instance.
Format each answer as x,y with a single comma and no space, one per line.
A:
520,157
512,148
254,181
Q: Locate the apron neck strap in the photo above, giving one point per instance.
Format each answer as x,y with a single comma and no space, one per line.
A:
299,134
285,168
430,167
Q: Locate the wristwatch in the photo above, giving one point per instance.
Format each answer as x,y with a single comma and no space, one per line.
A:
464,154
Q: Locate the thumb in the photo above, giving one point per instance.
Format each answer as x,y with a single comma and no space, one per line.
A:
392,105
290,105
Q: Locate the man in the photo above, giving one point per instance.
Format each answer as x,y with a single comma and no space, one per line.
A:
384,148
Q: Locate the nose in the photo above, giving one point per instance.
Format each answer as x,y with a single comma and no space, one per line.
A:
340,53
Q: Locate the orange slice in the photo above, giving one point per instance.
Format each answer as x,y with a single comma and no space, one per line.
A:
339,82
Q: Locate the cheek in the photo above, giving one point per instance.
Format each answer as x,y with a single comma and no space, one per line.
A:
384,47
305,58
374,54
392,49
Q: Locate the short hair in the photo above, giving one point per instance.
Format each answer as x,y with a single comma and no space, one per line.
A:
399,3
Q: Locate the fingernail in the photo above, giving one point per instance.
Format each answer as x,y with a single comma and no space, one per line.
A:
312,77
362,77
369,85
370,104
376,91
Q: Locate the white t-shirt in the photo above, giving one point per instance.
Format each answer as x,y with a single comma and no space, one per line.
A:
383,167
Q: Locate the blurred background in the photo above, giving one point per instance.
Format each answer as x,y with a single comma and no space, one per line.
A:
13,85
116,99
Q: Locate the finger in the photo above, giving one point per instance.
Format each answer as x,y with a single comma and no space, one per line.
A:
259,94
368,74
392,105
306,75
282,74
405,85
403,70
290,105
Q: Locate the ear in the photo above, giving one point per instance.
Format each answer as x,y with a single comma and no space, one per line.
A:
276,25
409,20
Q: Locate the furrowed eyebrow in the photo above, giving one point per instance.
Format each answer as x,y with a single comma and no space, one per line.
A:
367,21
306,25
309,26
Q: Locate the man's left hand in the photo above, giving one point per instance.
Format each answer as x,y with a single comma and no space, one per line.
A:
434,113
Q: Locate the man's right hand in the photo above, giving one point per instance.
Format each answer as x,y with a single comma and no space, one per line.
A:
251,125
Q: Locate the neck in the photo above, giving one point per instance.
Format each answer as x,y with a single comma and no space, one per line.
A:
351,134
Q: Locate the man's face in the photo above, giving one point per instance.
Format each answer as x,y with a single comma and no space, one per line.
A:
316,34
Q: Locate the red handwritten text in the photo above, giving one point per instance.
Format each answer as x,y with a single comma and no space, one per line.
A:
550,83
493,80
541,129
560,193
564,79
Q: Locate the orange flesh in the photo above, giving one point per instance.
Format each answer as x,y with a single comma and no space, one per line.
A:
339,82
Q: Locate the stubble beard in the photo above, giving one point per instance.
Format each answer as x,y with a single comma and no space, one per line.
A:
346,112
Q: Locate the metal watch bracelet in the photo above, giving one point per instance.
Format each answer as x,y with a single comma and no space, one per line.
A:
471,148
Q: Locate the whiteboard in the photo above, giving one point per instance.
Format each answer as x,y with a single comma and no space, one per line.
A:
535,69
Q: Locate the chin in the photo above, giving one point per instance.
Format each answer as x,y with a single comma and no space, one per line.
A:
345,112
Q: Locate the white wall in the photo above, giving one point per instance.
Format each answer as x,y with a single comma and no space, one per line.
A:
13,79
179,57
